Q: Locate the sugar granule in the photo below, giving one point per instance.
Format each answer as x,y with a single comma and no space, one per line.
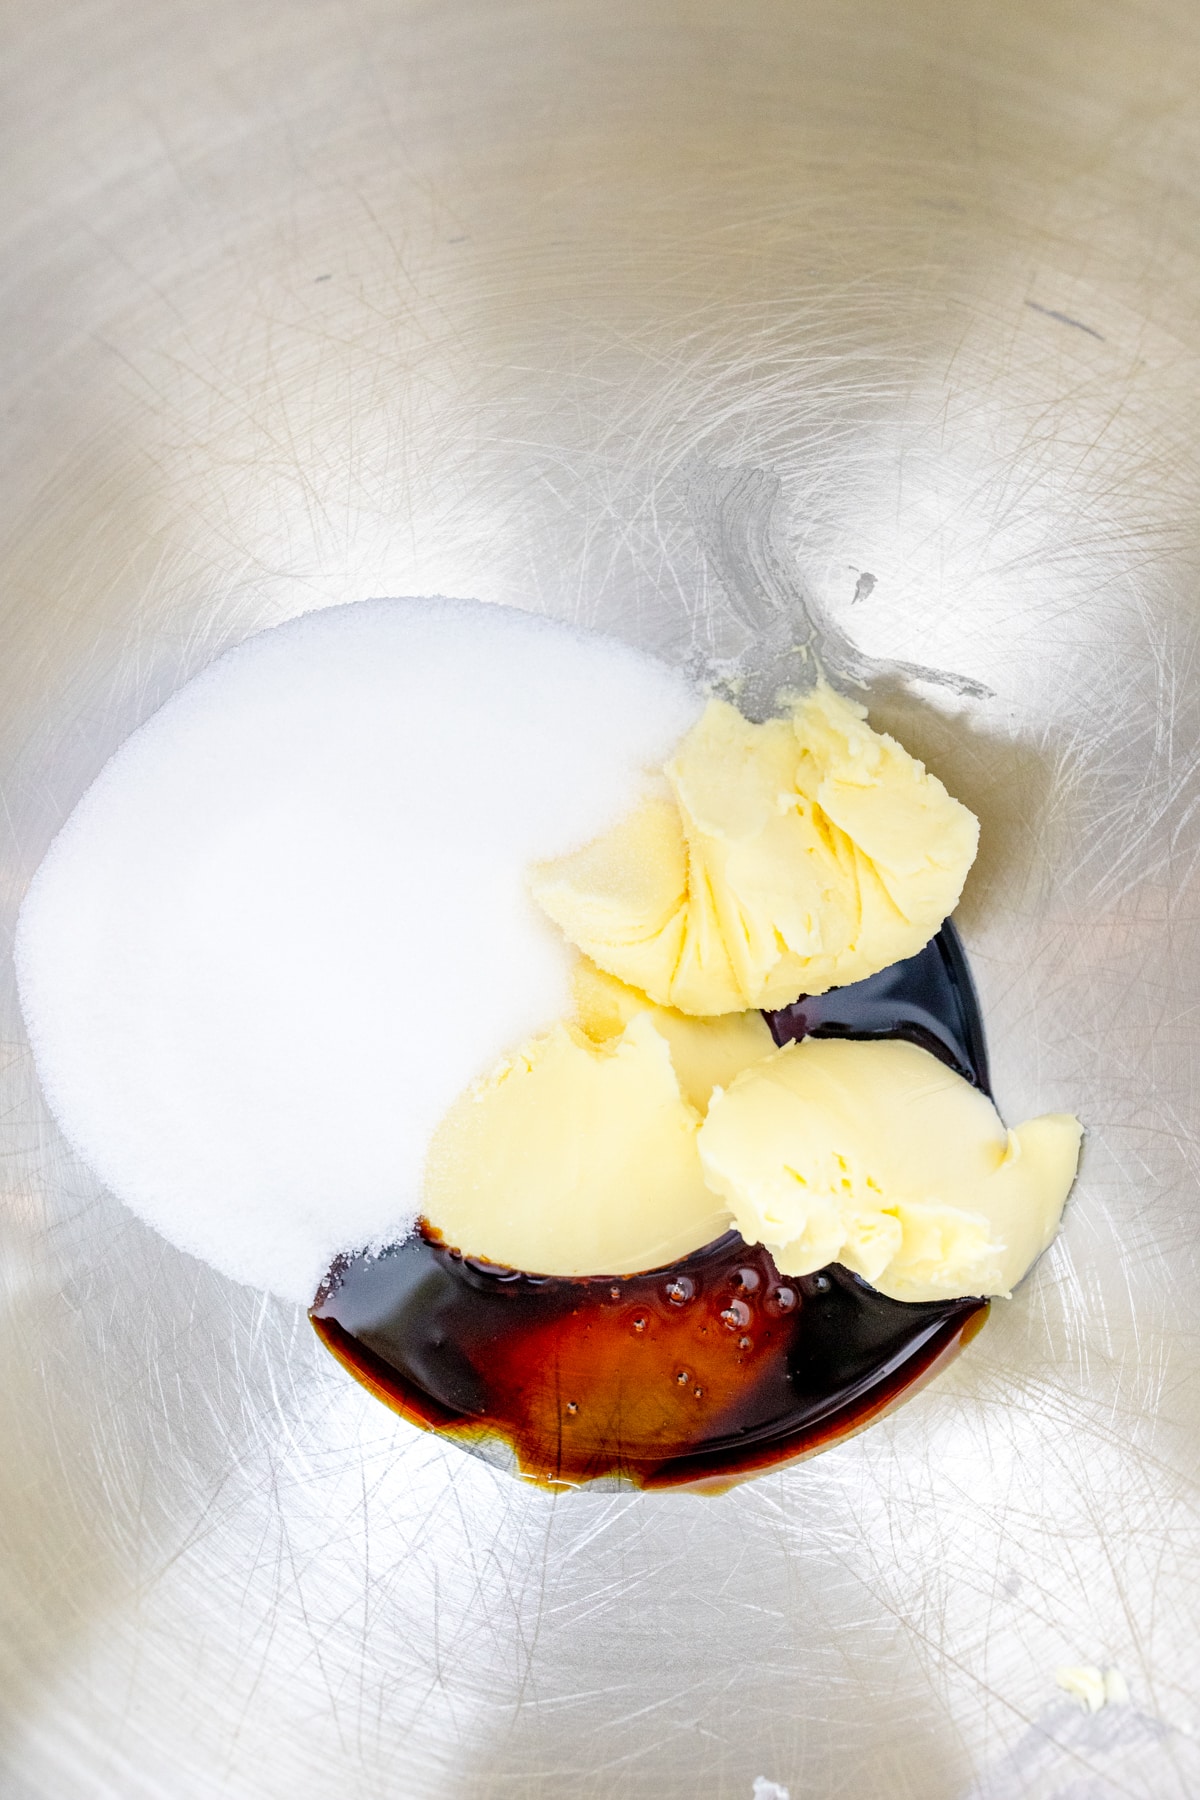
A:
288,923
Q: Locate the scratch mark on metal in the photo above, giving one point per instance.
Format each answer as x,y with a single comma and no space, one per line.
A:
1063,318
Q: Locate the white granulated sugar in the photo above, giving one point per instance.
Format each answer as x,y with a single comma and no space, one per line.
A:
288,923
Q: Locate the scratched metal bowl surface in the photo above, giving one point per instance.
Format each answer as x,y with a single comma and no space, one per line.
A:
713,324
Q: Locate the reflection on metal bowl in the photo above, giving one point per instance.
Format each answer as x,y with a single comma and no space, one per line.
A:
868,321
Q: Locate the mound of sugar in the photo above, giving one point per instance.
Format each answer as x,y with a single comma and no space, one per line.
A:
288,923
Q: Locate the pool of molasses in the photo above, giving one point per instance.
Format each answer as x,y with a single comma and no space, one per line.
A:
695,1375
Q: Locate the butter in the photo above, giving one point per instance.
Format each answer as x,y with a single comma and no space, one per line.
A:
781,858
574,1158
790,857
877,1156
706,1053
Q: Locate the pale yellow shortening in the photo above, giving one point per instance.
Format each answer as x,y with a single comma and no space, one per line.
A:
582,1154
782,858
706,1053
877,1156
790,857
574,1158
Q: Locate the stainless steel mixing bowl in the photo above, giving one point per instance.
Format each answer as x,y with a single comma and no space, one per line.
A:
670,316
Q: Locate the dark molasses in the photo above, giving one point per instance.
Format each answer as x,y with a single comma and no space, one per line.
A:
929,999
694,1375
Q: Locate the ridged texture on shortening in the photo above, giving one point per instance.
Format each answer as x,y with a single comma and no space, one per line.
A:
791,857
878,1156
